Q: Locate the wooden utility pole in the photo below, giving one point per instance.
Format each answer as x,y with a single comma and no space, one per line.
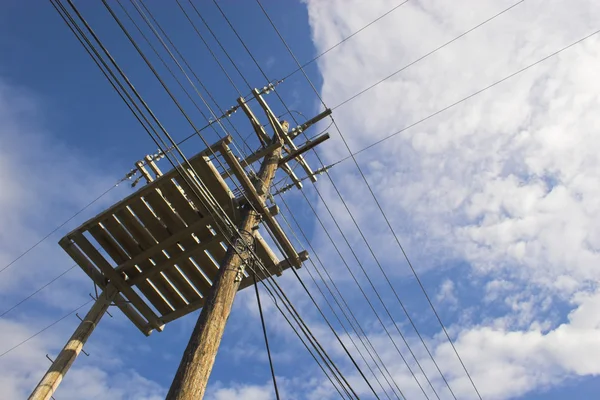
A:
45,389
196,365
154,252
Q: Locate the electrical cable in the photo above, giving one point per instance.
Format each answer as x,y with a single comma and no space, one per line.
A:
264,329
316,254
351,357
470,96
218,43
184,60
262,71
394,234
364,238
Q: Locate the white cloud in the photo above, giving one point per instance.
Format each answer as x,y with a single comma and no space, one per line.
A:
248,392
504,183
447,293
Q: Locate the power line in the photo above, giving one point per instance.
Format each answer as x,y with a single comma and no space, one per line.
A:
206,196
335,299
265,76
364,238
218,43
283,103
264,329
396,236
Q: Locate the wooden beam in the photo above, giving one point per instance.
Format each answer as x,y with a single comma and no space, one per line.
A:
257,201
272,270
198,359
252,158
304,148
258,128
301,128
264,139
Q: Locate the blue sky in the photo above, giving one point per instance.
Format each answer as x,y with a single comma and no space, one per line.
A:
493,200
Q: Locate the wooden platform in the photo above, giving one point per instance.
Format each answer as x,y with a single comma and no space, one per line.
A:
159,246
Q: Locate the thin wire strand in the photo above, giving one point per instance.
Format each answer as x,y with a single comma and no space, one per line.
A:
313,250
373,350
264,329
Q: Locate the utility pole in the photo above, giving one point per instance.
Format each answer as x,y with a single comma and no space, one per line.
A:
196,365
157,257
47,386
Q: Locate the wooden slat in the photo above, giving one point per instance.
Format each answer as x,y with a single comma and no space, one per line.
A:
208,267
89,268
116,280
161,286
164,211
151,293
174,225
207,172
215,249
160,232
182,206
184,311
137,230
179,259
150,221
118,231
199,203
101,281
109,245
150,252
148,188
